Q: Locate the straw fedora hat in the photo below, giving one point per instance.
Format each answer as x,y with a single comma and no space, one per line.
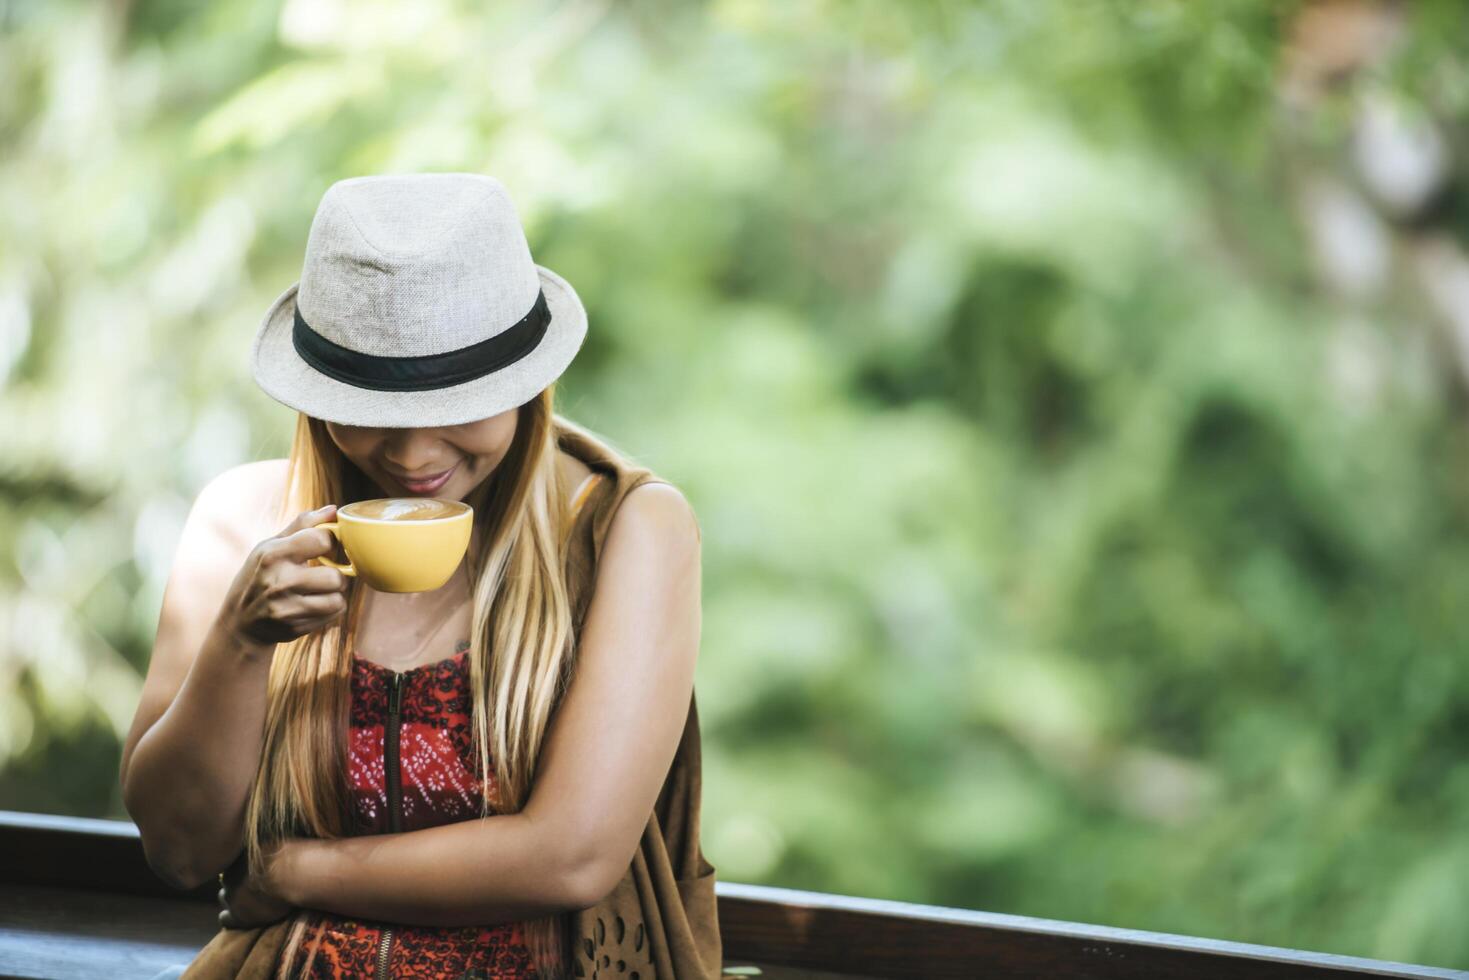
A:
418,305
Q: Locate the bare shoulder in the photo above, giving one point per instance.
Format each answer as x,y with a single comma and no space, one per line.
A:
657,512
246,499
232,513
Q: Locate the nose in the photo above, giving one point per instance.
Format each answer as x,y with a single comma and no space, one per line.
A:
416,451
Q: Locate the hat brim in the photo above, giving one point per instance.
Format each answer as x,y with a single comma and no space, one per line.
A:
285,376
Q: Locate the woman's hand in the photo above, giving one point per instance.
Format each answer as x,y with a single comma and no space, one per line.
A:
278,595
247,901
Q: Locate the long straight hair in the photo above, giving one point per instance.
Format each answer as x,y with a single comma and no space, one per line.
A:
520,657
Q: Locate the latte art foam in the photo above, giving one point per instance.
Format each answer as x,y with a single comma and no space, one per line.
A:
404,509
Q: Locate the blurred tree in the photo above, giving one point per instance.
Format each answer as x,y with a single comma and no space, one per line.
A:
1072,393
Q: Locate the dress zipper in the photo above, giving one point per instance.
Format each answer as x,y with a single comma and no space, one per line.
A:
395,797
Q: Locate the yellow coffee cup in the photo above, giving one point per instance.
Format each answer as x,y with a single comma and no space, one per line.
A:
401,544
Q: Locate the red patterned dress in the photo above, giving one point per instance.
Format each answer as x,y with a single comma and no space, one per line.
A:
411,766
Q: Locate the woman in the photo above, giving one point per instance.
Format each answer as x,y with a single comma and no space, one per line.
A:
498,778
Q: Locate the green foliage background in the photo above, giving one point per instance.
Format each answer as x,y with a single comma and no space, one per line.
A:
1077,544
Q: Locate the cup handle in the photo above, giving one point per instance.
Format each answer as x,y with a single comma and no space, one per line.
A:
348,568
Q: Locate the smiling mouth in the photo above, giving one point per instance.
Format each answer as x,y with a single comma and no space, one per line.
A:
425,483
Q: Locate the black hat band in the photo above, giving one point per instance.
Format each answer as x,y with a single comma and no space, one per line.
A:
426,371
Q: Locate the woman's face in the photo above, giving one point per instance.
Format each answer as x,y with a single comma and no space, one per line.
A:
390,457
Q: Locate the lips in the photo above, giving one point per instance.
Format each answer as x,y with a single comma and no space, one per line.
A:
426,485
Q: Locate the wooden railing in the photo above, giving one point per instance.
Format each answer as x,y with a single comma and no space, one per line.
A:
78,900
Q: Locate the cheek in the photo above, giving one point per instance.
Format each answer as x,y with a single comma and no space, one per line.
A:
484,457
361,451
353,443
492,444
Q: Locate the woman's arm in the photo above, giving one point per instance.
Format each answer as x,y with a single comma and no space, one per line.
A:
194,747
607,752
471,872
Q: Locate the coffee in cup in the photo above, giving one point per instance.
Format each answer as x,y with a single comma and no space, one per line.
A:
401,544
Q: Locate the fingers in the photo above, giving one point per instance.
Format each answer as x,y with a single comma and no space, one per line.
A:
302,538
303,544
322,604
319,578
307,518
280,573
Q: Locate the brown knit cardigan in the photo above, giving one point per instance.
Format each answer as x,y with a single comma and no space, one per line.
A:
660,922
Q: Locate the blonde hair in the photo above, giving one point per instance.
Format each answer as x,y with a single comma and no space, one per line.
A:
520,655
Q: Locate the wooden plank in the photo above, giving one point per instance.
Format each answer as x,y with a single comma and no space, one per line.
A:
767,971
82,852
903,940
785,928
69,934
66,934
